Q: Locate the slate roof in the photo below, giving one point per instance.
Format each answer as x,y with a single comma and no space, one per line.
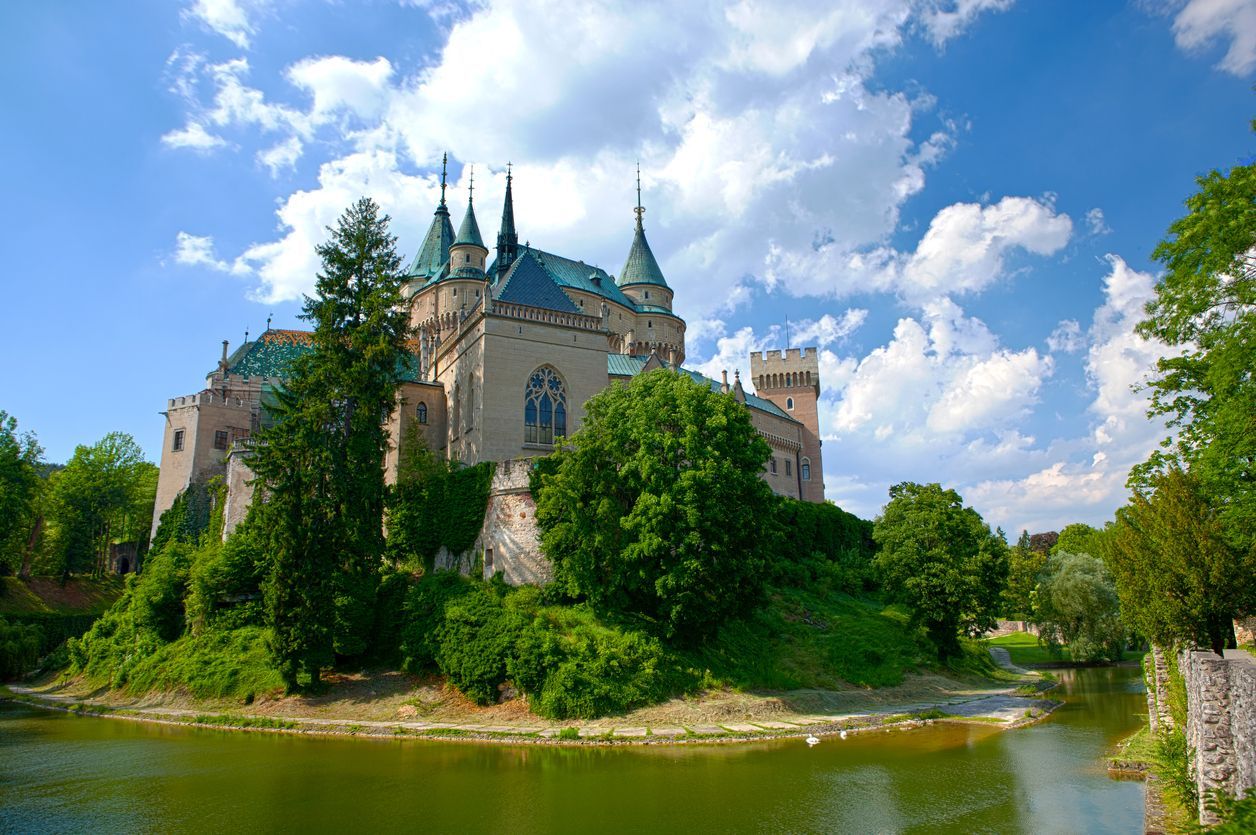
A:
580,276
641,267
622,365
272,354
528,282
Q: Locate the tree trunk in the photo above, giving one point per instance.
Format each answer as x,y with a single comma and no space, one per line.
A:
29,555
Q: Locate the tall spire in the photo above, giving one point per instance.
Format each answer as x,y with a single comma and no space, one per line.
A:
469,230
507,237
434,252
641,267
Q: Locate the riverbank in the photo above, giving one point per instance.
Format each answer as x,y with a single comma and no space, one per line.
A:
395,705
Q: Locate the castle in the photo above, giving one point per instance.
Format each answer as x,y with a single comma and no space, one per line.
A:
506,355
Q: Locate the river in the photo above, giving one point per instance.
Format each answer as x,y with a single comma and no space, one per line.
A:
65,773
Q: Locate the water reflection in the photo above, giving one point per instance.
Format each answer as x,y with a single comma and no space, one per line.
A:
64,773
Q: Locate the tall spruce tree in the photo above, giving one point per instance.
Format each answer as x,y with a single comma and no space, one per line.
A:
321,462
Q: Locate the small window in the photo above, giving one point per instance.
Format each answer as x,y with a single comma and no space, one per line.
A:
467,258
789,403
649,324
773,465
220,439
647,294
455,292
789,467
805,469
420,412
177,446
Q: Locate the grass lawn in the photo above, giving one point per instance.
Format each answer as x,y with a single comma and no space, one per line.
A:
46,595
1024,649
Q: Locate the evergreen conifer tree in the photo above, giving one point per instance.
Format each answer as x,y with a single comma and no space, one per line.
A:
321,462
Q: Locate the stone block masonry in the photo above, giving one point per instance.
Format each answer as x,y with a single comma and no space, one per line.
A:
1221,722
510,539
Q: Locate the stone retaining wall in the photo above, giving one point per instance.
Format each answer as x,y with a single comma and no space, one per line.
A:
1221,722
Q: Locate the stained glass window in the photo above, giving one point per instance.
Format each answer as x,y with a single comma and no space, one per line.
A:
544,407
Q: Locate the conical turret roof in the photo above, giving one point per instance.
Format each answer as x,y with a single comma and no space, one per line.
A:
641,267
434,253
469,230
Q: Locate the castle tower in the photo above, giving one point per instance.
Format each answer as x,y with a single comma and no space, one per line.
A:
434,253
641,279
792,381
507,238
467,253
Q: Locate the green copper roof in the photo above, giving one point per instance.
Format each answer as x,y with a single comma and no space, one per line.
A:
528,282
622,365
271,355
641,266
469,231
434,253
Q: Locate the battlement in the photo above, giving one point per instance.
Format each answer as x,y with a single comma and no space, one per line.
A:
208,398
791,368
795,354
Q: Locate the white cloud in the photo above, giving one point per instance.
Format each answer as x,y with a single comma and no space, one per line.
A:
281,157
944,19
1067,337
966,245
229,18
761,143
828,329
1095,222
194,136
198,251
1201,22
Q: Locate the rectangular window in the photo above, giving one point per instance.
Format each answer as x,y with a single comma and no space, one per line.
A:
220,439
177,446
789,467
774,465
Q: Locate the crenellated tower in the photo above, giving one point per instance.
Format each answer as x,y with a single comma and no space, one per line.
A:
791,380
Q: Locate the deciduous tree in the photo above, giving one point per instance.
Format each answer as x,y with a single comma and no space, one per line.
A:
20,460
657,507
1077,607
940,558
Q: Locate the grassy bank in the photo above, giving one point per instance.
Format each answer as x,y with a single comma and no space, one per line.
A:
58,611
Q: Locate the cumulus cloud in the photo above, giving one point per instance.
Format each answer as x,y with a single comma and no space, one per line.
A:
761,141
1200,23
229,18
1067,337
1095,222
198,251
944,19
732,352
194,136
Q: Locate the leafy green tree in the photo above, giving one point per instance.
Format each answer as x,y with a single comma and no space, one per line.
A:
1078,607
657,509
942,560
104,495
1180,578
1024,564
1204,306
20,460
320,463
1077,538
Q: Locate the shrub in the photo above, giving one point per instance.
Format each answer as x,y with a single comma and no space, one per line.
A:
475,642
19,649
822,541
424,613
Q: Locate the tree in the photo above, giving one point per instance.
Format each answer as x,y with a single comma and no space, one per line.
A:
1077,606
1206,307
20,460
1180,578
940,558
321,462
1077,538
104,495
657,508
1024,565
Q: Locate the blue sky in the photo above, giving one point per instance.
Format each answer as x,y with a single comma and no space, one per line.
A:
955,200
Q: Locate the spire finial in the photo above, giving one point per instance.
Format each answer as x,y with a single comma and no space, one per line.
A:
471,188
268,318
640,210
444,161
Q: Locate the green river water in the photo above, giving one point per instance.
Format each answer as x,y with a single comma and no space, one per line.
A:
65,773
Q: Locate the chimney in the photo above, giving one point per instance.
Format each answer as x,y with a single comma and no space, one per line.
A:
724,385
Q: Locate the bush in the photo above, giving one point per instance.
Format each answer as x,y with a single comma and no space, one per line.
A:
19,649
423,613
434,503
217,664
475,642
822,541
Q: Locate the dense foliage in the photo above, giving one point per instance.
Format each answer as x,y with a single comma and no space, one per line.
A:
19,649
435,503
1077,607
1024,564
319,463
656,507
20,460
1180,578
1205,307
941,559
1077,538
822,540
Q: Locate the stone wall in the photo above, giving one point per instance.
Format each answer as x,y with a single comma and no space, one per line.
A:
1221,721
510,539
239,494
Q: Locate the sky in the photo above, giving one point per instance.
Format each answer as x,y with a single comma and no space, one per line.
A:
955,201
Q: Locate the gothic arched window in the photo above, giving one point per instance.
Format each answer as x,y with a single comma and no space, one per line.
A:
804,469
789,403
421,413
544,407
